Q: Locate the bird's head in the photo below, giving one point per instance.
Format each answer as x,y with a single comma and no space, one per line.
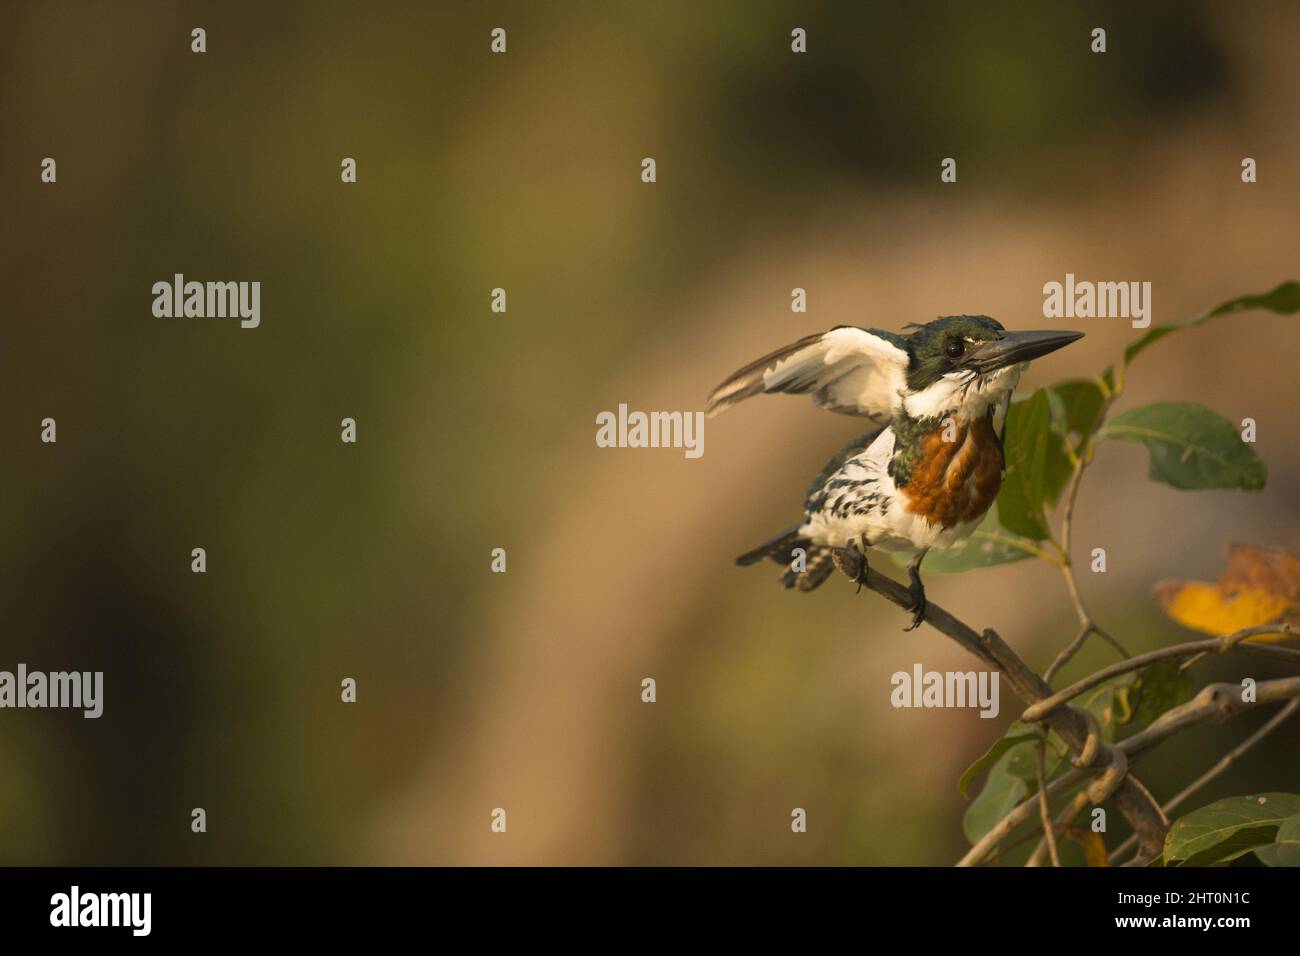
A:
964,363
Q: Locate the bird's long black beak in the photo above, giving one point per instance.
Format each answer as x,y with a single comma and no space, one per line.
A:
1015,347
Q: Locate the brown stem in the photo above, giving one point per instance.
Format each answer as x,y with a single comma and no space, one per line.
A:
1214,702
1069,723
1221,644
1043,809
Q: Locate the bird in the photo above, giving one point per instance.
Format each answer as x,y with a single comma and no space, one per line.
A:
927,472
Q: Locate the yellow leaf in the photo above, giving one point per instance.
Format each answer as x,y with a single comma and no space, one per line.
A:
1258,586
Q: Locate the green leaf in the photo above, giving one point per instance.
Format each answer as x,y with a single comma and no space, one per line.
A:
1075,407
1159,687
1111,704
1022,762
1034,477
999,797
1190,446
988,544
1227,829
1285,848
1285,299
1000,746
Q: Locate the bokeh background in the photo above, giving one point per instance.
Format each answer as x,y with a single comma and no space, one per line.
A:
476,430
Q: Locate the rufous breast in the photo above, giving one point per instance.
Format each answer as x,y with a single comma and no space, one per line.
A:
955,481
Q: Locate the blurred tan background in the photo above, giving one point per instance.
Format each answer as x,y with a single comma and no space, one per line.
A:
476,430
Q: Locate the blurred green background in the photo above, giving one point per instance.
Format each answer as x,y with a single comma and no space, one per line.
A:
476,430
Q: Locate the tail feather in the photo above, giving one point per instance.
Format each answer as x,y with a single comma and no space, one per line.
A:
818,564
777,548
817,569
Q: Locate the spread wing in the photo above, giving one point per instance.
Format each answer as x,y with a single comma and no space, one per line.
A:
847,370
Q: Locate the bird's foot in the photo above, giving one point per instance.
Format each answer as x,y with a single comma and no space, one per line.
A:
852,562
861,576
917,591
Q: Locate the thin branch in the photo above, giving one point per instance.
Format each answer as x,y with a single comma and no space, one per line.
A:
1214,702
1062,822
1232,756
1069,650
1003,848
1221,644
1023,811
1106,636
1067,528
1163,816
1070,724
1019,544
1080,461
1043,809
1089,627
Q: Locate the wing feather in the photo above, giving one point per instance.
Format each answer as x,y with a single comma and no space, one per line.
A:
847,370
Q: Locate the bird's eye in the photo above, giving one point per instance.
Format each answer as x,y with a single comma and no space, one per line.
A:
955,348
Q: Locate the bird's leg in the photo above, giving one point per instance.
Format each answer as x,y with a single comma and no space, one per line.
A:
861,576
852,561
917,591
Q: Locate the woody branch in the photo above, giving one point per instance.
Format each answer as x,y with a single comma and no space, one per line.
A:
1079,729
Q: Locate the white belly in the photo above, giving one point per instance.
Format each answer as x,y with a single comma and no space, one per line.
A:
891,528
